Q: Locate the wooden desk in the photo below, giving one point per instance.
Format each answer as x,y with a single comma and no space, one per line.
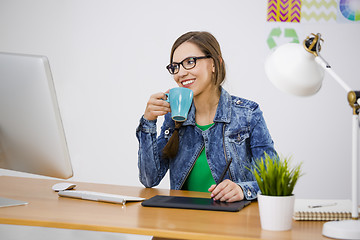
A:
46,209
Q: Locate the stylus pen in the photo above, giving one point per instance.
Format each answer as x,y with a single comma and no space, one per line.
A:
224,172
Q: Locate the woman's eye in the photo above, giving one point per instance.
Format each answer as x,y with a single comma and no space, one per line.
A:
190,61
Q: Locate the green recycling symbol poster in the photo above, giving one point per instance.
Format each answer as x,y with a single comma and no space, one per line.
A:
278,36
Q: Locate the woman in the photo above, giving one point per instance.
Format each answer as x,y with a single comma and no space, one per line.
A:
219,127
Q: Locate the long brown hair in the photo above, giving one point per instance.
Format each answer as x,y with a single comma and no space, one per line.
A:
210,47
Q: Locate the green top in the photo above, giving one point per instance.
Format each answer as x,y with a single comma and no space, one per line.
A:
200,177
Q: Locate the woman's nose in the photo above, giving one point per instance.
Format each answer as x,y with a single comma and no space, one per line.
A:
182,71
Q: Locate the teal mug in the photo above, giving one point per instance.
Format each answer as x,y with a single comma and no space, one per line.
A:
180,100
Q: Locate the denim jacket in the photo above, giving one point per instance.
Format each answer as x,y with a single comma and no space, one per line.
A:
239,132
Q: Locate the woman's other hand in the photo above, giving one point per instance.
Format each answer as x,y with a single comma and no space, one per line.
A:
226,191
156,106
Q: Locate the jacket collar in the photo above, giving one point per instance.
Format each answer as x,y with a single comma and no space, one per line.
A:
223,111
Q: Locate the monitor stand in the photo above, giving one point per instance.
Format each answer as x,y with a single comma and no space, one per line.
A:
7,202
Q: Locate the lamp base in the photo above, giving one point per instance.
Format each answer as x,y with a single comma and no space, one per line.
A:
346,229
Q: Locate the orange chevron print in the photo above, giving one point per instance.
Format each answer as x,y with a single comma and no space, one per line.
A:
284,11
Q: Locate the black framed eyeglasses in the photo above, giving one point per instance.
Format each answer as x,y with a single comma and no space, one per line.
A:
187,63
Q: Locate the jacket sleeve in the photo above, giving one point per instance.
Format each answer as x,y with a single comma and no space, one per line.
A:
250,189
260,142
152,167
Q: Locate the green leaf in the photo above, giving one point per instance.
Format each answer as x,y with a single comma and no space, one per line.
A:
274,176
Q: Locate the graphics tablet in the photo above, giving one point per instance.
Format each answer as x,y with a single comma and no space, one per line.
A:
194,203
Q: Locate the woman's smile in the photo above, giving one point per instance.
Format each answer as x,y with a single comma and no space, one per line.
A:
187,82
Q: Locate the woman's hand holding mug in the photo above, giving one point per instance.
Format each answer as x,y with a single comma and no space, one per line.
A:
178,98
156,106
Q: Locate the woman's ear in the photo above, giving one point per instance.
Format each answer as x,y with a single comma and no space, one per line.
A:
213,64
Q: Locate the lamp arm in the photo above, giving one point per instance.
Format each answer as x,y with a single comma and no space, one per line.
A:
321,61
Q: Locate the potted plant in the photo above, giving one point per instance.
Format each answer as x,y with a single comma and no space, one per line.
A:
276,180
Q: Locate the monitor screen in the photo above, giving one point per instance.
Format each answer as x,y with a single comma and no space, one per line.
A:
32,137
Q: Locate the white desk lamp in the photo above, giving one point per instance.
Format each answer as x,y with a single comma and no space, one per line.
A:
292,69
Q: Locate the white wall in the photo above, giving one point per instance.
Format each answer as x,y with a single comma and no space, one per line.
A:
109,56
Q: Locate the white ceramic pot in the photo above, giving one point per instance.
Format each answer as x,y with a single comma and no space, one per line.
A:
276,212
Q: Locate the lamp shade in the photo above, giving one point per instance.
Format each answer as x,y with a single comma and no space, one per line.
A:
294,70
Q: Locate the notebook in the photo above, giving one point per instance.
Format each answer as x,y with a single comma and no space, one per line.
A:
194,203
322,209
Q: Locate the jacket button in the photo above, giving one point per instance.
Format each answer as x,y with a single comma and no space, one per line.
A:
167,132
249,193
238,102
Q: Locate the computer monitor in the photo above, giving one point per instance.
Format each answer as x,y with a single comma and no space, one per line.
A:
32,137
